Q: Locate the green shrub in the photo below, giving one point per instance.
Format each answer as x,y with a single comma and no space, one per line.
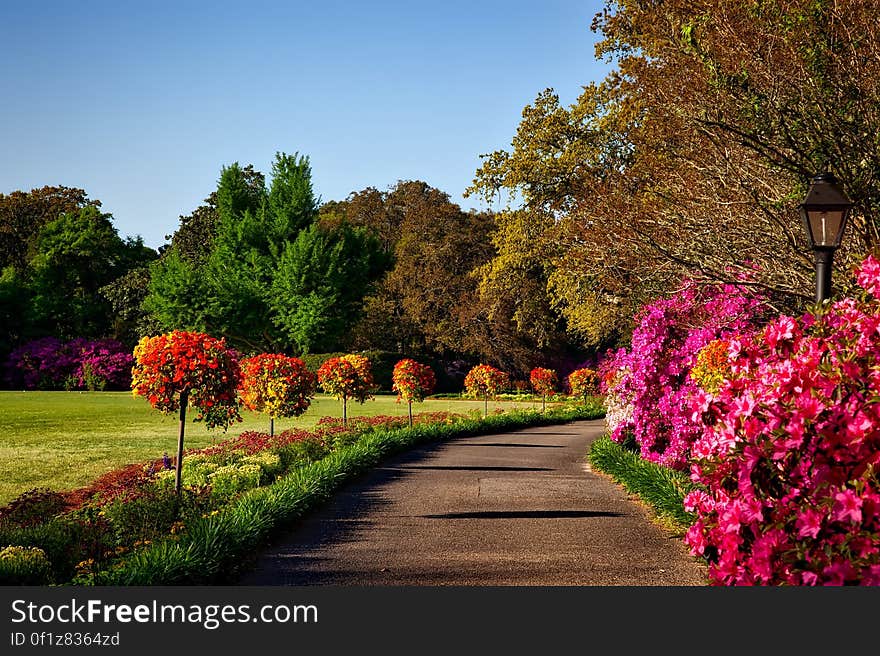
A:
66,540
24,566
229,479
302,452
150,513
268,462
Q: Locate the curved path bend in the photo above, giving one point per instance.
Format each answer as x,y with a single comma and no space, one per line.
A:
519,508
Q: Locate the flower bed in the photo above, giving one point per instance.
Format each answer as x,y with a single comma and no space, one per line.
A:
790,449
73,536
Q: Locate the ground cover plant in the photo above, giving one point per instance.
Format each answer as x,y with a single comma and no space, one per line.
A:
662,488
131,528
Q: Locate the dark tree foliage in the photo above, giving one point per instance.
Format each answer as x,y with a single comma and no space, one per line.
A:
23,215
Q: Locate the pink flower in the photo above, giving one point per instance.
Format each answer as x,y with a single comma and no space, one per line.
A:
839,572
847,506
868,275
696,540
809,523
781,329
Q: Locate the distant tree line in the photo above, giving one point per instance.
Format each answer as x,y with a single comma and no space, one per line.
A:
265,264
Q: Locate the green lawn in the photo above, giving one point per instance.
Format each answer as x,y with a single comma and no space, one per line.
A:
64,440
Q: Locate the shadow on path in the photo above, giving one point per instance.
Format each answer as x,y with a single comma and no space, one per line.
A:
518,446
525,514
469,468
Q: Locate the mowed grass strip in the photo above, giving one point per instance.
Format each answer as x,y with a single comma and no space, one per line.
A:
64,440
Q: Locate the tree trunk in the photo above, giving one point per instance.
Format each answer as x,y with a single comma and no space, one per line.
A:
345,411
184,400
271,426
410,414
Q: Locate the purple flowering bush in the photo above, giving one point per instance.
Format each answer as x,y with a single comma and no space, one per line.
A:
789,450
50,364
648,388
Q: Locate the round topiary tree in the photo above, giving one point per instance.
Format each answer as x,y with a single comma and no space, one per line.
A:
484,381
180,368
279,385
583,383
544,382
347,377
412,381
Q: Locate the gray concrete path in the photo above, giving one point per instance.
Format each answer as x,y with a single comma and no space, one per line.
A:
518,508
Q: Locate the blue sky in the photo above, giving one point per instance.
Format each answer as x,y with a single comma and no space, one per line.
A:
142,104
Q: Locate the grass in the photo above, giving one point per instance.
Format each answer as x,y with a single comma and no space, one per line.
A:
64,440
661,488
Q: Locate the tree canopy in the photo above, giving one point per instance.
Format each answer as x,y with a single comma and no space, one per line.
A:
693,154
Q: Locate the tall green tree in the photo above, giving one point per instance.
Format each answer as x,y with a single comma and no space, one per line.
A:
270,278
76,255
293,206
177,295
211,281
195,234
321,282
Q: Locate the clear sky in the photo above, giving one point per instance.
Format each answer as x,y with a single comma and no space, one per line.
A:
142,103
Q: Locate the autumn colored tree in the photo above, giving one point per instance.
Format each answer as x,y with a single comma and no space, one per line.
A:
276,384
180,368
412,381
484,381
347,377
692,155
544,382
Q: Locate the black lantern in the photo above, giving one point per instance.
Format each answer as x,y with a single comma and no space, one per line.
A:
824,212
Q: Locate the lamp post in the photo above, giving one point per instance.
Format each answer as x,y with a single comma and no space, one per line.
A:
824,211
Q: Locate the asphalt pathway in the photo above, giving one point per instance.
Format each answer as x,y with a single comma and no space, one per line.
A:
520,508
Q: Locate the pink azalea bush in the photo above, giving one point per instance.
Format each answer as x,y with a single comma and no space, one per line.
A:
49,363
648,388
789,450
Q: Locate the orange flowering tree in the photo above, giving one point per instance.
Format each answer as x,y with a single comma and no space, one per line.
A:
276,384
583,382
347,377
412,381
544,382
484,381
179,369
